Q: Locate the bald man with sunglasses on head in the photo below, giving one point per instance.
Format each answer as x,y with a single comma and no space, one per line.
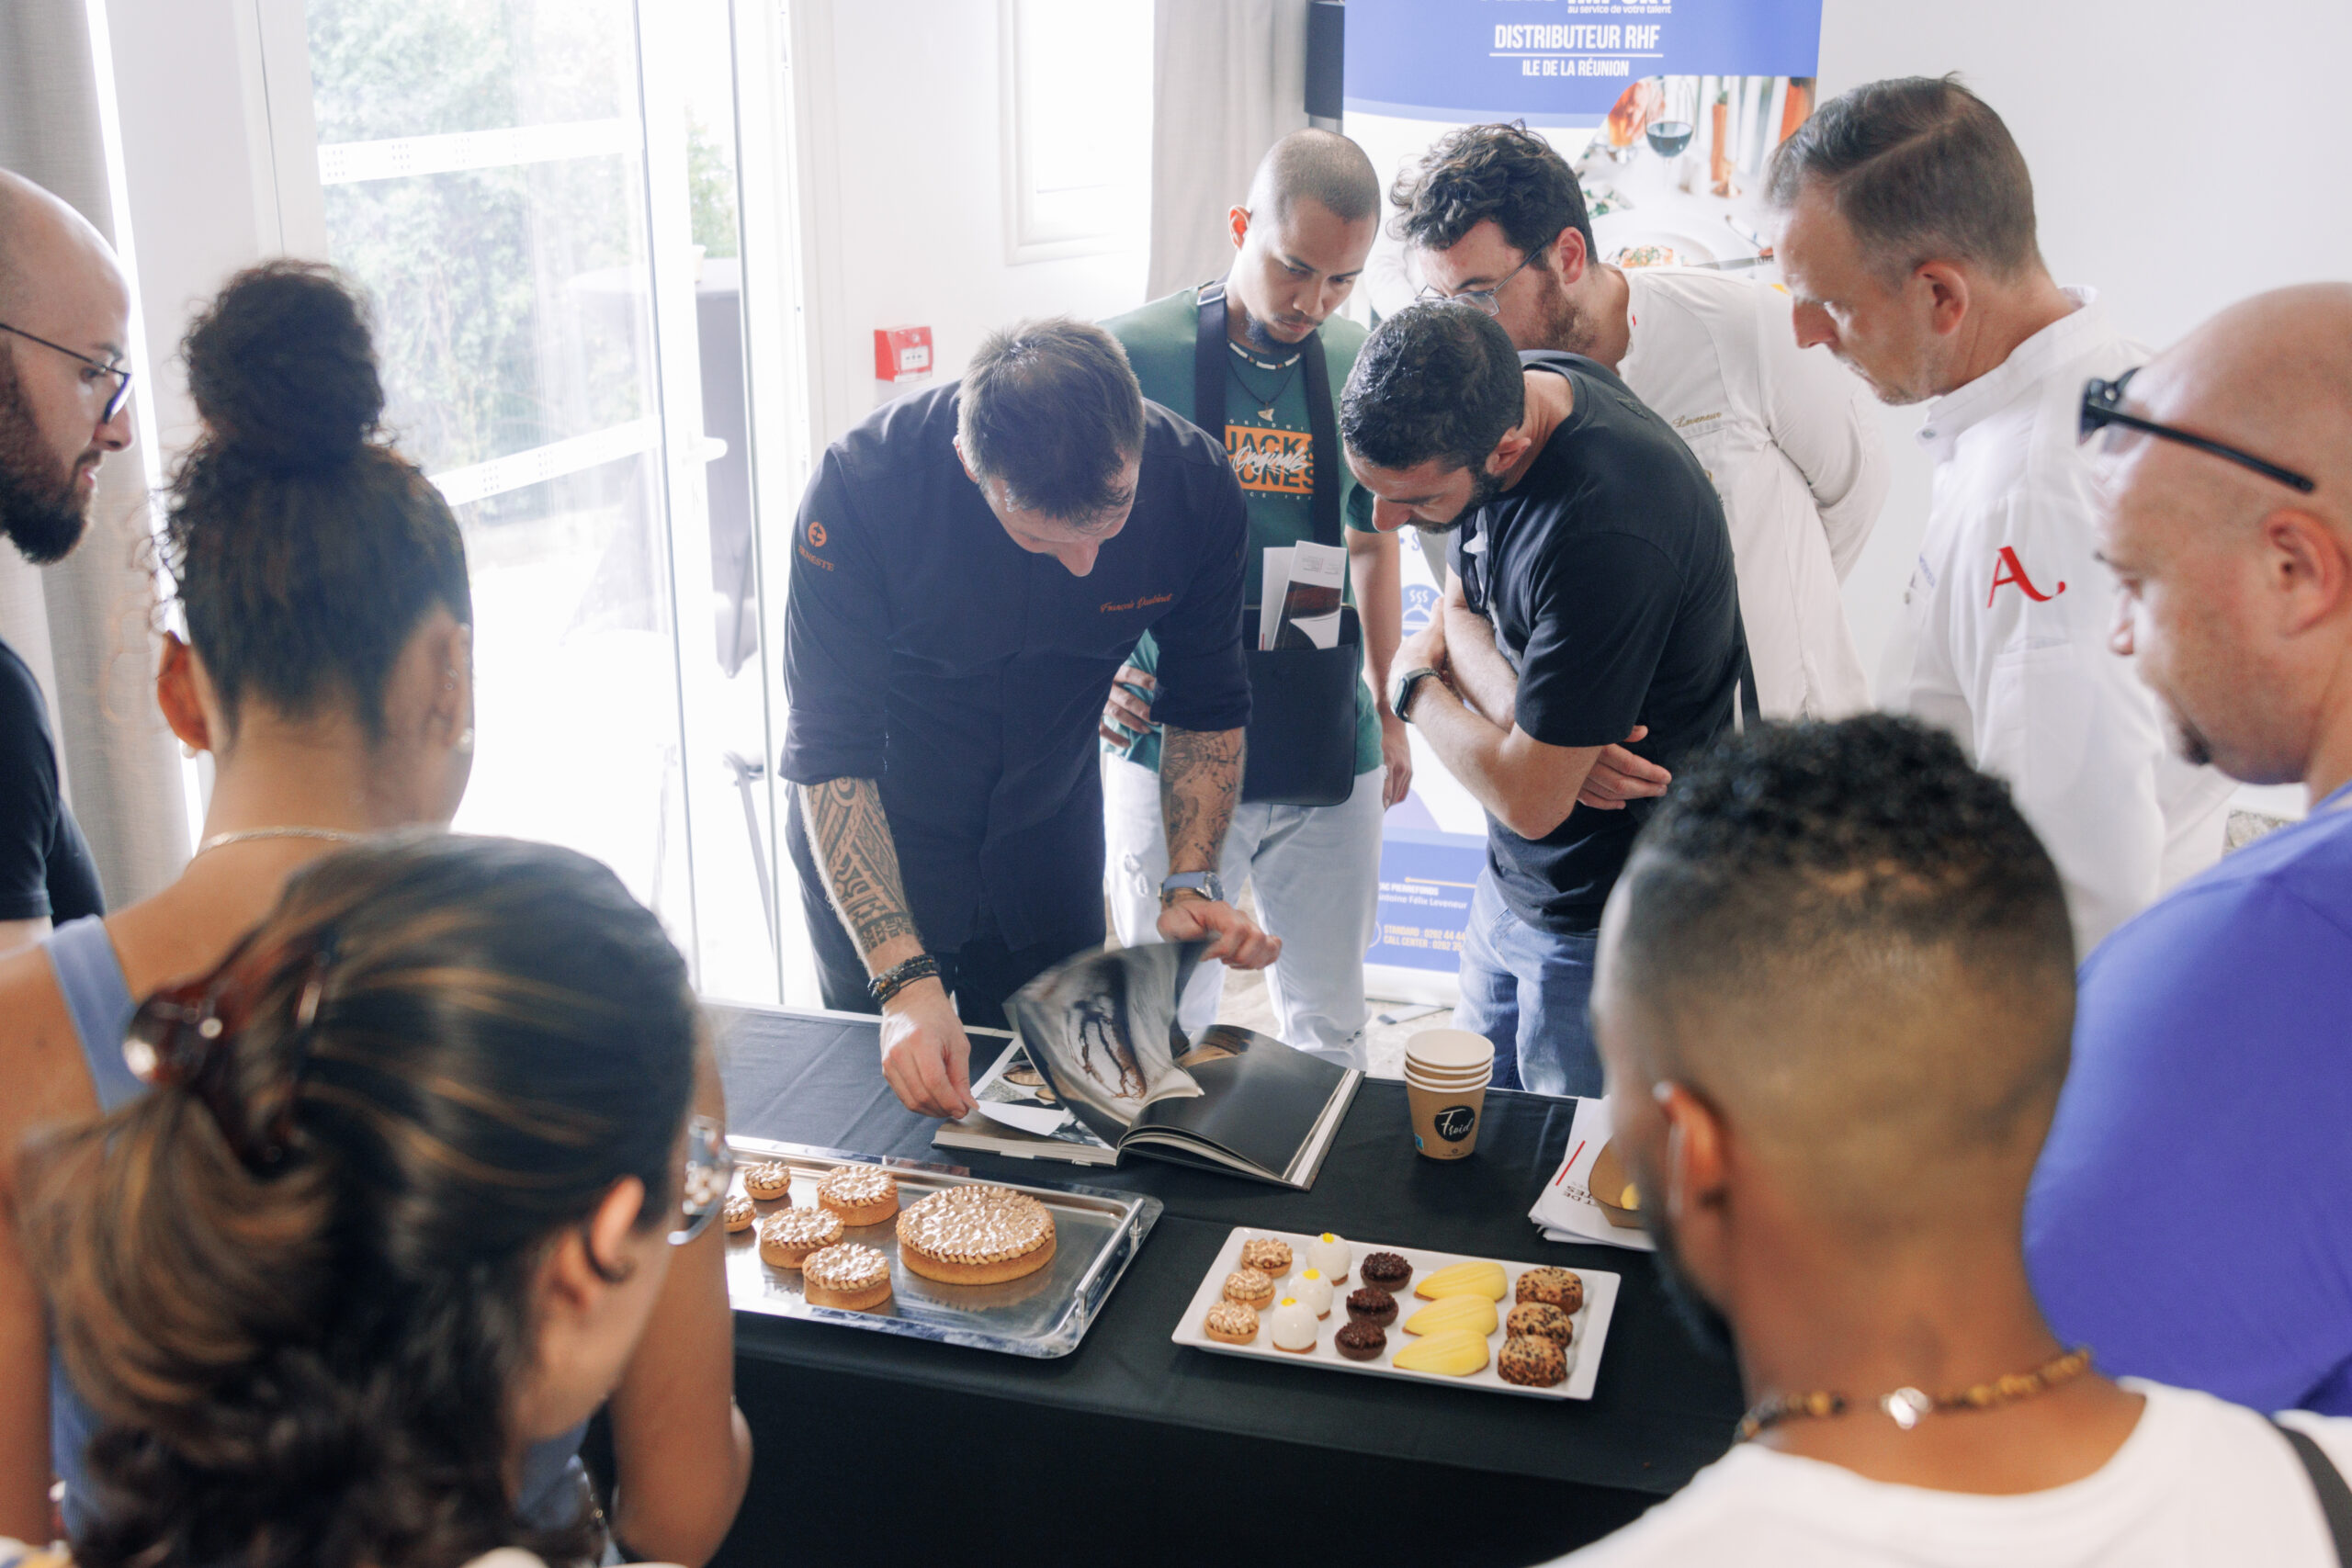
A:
64,322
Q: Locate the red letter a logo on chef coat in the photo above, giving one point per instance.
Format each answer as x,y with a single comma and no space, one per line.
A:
2011,569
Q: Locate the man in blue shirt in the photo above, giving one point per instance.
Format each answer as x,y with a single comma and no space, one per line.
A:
2189,1218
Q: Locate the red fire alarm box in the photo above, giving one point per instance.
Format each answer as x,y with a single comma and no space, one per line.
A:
902,354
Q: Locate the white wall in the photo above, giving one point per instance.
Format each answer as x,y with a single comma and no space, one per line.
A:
2184,156
903,209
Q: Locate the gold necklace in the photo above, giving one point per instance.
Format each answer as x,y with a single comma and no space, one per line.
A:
1905,1406
332,835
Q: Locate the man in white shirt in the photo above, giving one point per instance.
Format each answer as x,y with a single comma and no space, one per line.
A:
1493,215
1909,246
1833,994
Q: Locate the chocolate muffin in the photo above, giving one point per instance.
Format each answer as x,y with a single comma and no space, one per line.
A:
1541,1319
1531,1361
1361,1341
1560,1286
1387,1270
1371,1305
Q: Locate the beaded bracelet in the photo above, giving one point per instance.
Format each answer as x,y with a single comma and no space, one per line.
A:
891,981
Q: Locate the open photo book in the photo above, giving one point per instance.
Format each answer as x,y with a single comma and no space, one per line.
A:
1099,1068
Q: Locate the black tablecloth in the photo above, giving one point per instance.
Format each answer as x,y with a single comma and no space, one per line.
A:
1660,1410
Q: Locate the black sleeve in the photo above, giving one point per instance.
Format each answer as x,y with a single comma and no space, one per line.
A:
836,661
1600,619
73,889
28,795
1203,674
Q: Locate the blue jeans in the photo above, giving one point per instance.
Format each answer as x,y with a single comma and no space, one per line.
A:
1527,990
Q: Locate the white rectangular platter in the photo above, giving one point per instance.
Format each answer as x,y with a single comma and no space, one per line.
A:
1584,1352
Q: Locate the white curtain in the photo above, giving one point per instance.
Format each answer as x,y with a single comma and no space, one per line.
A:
1229,80
84,625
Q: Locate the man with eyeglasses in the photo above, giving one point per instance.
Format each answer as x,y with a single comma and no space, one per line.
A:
64,320
2204,1115
1494,215
1908,241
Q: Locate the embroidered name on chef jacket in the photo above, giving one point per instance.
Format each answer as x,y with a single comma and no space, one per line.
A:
2007,569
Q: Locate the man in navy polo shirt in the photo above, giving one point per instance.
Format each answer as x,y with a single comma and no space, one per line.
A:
971,567
1591,603
2190,1216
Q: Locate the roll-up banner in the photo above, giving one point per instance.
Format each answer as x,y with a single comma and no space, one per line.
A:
1668,111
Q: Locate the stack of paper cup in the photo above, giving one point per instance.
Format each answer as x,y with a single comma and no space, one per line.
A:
1446,1072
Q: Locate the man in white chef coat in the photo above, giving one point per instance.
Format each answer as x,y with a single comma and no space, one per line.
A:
1908,243
1493,215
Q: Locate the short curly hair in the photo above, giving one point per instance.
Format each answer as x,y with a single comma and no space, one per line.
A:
1503,171
1438,380
1849,941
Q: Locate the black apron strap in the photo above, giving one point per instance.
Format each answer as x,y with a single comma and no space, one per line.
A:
1209,404
2335,1497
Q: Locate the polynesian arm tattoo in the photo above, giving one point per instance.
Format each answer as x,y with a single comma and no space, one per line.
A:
860,862
1200,779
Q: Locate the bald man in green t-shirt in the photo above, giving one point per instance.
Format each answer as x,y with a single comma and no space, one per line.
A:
1300,242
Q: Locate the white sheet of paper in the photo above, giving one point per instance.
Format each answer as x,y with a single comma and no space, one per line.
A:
1039,1119
1320,566
1273,585
1564,1208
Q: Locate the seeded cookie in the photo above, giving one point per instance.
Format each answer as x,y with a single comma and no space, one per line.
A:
1541,1319
1531,1361
1560,1286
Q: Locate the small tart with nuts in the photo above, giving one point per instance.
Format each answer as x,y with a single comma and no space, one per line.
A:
849,1274
769,1181
975,1235
1268,1255
860,1194
737,1213
1231,1323
786,1239
1249,1287
1562,1288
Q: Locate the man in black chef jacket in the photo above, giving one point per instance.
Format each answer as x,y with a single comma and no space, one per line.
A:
971,567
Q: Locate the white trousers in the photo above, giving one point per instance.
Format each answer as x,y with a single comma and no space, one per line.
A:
1317,872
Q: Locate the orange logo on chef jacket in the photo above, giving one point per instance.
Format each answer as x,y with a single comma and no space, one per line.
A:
816,534
2009,568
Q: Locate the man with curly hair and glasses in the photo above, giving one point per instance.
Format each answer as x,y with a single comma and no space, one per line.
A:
1493,215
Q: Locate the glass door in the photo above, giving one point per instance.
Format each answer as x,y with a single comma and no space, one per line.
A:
546,200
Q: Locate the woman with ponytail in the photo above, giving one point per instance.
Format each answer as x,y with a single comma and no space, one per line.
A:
326,665
399,1202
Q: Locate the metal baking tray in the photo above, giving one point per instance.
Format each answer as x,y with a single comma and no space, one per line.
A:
1096,1233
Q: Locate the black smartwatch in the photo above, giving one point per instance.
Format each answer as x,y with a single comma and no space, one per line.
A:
1401,690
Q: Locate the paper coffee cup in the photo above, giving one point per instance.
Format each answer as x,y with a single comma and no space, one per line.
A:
1449,1053
1445,1119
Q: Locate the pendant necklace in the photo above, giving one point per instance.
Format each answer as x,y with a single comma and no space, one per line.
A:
1905,1406
1285,366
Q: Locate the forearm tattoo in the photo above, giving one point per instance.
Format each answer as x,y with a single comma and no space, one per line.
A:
1200,779
861,863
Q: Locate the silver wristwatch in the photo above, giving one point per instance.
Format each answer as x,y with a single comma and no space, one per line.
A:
1401,690
1205,882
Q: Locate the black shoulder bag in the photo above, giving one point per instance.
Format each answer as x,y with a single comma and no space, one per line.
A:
1302,735
2334,1497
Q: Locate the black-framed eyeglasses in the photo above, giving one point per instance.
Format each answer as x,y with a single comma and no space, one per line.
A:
701,1192
1481,297
2103,406
120,372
